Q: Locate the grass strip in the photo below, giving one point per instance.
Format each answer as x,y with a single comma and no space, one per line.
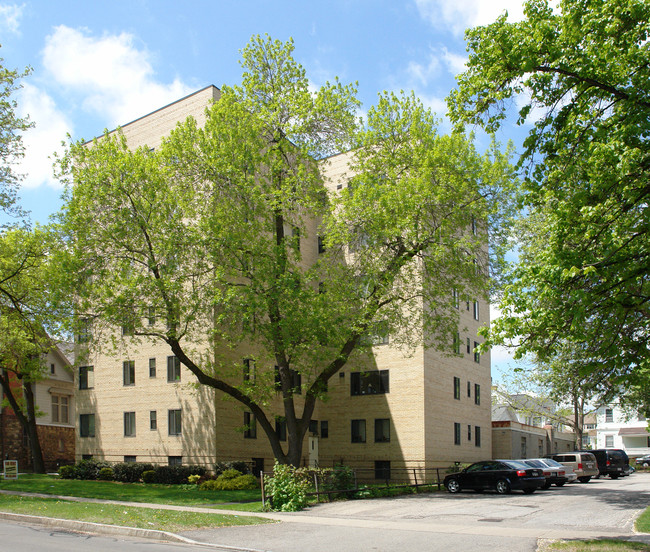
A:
110,514
595,545
180,495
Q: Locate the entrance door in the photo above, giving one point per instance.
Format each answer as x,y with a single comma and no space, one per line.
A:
313,452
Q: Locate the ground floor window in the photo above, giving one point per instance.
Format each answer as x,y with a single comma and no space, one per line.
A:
60,409
358,431
477,436
382,430
382,469
174,460
324,429
86,425
609,441
130,458
456,433
250,426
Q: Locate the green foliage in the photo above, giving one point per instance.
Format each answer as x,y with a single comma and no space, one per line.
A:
89,469
287,488
193,479
230,480
176,475
67,472
241,467
149,476
106,474
582,74
131,472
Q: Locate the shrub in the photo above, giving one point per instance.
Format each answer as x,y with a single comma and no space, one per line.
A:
177,475
241,467
89,469
106,474
130,472
67,472
193,479
287,488
149,476
231,480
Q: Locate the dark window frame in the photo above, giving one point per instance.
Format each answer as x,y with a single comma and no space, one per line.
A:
373,382
358,431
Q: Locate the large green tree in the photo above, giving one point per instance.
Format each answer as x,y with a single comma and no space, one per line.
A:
581,76
210,231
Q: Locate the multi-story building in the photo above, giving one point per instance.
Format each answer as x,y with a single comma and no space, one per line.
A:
390,410
55,424
616,428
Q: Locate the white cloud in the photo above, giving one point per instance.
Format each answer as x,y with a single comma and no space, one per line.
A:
114,77
458,15
50,129
10,15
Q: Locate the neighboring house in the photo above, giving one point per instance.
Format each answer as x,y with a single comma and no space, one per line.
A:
525,426
618,429
589,435
54,398
423,410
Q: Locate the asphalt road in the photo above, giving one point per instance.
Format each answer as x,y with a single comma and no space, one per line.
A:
441,521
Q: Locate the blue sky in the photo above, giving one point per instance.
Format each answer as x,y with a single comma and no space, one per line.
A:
97,65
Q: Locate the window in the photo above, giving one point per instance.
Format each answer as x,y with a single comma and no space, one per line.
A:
130,459
86,377
469,432
152,367
128,326
321,245
151,316
249,370
358,428
173,369
295,234
86,425
129,424
174,417
52,369
609,415
382,430
174,460
369,383
456,433
456,388
474,226
128,370
455,298
382,469
609,441
469,389
475,310
313,427
477,393
296,380
325,430
469,346
477,355
84,334
250,426
60,409
524,447
281,428
477,437
153,420
457,343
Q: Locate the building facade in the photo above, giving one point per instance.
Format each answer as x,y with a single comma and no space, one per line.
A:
385,411
616,428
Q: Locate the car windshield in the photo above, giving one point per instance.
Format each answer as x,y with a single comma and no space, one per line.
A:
553,463
516,464
535,463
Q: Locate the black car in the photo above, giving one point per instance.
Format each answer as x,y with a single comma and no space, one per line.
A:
612,462
501,476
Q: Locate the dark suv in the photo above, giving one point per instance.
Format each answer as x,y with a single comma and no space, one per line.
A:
612,462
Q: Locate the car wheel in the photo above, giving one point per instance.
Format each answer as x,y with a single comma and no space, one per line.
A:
453,486
529,491
546,485
645,464
502,486
560,483
614,476
584,479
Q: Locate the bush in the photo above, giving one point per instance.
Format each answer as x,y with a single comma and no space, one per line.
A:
89,469
241,467
177,475
287,488
67,472
231,480
149,476
131,472
106,474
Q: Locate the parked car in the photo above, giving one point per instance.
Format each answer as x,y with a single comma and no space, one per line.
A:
501,476
643,461
612,462
584,464
569,473
554,474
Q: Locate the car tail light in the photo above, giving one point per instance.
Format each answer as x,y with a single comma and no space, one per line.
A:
579,465
609,463
562,472
521,473
547,474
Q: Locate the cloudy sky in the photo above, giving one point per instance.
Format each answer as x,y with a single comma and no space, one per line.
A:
97,65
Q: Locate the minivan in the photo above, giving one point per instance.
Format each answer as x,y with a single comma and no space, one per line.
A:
583,463
612,462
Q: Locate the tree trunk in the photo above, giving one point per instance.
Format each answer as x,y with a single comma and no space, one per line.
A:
32,430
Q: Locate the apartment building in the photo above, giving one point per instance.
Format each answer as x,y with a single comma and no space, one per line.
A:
385,410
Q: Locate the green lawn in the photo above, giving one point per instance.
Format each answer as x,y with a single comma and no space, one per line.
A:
604,545
183,495
144,518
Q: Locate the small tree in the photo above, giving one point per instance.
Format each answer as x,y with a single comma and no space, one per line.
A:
207,231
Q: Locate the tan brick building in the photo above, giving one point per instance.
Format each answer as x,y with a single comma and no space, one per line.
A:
386,412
